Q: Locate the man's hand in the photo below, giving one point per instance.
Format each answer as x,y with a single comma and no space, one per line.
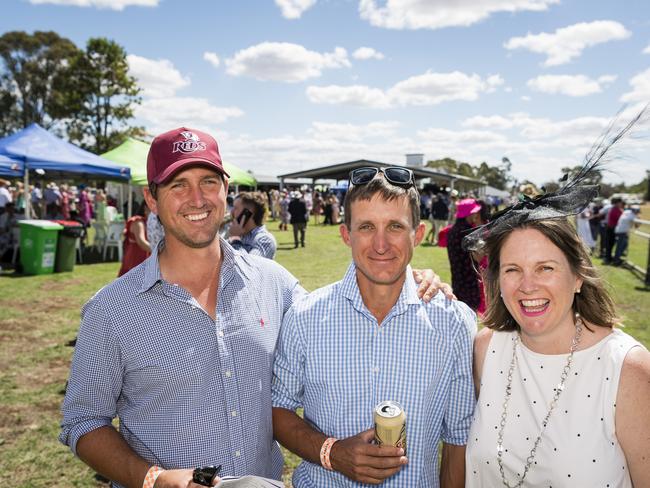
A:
179,478
235,229
430,284
359,460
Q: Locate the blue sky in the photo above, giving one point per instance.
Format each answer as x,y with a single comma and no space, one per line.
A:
285,85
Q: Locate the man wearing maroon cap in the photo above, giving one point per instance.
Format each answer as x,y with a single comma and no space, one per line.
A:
180,348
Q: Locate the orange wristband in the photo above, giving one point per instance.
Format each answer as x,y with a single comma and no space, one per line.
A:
325,451
152,476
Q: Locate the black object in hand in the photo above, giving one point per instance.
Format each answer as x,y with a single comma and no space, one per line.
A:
205,475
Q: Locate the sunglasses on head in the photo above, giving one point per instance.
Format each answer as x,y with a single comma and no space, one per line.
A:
395,175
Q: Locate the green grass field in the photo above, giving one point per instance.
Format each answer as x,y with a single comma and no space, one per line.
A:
39,314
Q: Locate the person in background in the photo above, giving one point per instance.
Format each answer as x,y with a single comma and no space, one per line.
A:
614,213
19,197
8,220
622,231
84,206
439,217
155,231
136,247
284,210
5,195
299,215
369,338
36,196
584,228
464,277
336,205
65,201
52,197
247,231
100,205
318,207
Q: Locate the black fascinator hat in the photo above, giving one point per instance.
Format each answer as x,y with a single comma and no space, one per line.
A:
571,199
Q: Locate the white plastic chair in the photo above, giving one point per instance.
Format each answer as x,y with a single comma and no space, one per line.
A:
110,213
114,239
77,246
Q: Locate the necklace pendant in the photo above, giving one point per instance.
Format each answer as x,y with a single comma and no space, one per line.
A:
560,387
499,447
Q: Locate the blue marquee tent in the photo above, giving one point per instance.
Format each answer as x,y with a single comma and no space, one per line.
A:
34,148
37,148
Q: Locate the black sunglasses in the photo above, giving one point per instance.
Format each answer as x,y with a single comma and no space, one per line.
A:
395,175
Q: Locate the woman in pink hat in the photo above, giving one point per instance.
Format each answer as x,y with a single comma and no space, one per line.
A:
464,278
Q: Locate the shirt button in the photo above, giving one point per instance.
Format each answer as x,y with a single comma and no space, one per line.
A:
237,453
228,374
234,413
220,333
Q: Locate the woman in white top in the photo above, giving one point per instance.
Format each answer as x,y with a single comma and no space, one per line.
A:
563,395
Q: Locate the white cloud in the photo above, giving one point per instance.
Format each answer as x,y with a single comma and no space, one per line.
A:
525,98
426,89
568,43
212,58
352,132
571,85
367,53
354,95
435,88
163,114
435,14
293,9
640,88
488,122
283,61
647,50
110,4
158,78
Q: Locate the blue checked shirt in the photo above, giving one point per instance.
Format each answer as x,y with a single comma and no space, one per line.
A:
259,242
188,391
335,361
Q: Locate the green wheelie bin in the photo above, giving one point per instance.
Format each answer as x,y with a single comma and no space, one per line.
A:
38,240
66,247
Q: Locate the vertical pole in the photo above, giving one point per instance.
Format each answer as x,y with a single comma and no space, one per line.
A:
28,195
129,209
647,269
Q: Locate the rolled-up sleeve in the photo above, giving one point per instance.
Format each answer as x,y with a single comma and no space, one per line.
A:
288,366
95,377
460,406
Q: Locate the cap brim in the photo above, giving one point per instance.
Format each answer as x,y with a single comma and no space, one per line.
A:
172,169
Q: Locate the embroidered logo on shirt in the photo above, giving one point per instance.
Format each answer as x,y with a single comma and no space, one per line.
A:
262,322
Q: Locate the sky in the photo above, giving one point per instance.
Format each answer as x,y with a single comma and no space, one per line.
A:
286,85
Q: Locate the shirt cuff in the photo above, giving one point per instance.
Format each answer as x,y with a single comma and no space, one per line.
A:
70,435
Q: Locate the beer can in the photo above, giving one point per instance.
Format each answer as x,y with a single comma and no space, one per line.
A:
390,424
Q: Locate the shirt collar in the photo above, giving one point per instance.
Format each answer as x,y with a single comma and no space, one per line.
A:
152,273
350,289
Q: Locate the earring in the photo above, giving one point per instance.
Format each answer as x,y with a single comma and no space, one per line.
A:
578,290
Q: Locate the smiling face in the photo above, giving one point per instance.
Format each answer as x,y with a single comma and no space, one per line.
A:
191,206
382,239
537,284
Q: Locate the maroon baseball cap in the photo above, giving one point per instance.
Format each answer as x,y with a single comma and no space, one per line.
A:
174,150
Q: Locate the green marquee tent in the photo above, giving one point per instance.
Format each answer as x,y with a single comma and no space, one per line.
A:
133,153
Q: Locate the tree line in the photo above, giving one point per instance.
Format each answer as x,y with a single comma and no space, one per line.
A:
86,93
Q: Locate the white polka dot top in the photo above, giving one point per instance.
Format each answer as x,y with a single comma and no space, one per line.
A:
579,448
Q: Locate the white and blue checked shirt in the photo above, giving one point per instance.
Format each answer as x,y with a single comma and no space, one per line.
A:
335,361
188,391
259,242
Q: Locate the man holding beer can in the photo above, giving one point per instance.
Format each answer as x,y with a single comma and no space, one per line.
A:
375,369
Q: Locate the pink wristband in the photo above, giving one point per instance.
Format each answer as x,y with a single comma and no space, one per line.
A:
325,451
152,476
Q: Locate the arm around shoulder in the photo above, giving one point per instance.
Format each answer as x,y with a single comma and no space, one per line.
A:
633,414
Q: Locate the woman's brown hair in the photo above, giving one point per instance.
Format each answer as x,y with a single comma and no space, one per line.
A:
593,303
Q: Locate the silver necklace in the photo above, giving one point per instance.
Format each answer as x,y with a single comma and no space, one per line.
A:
556,396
